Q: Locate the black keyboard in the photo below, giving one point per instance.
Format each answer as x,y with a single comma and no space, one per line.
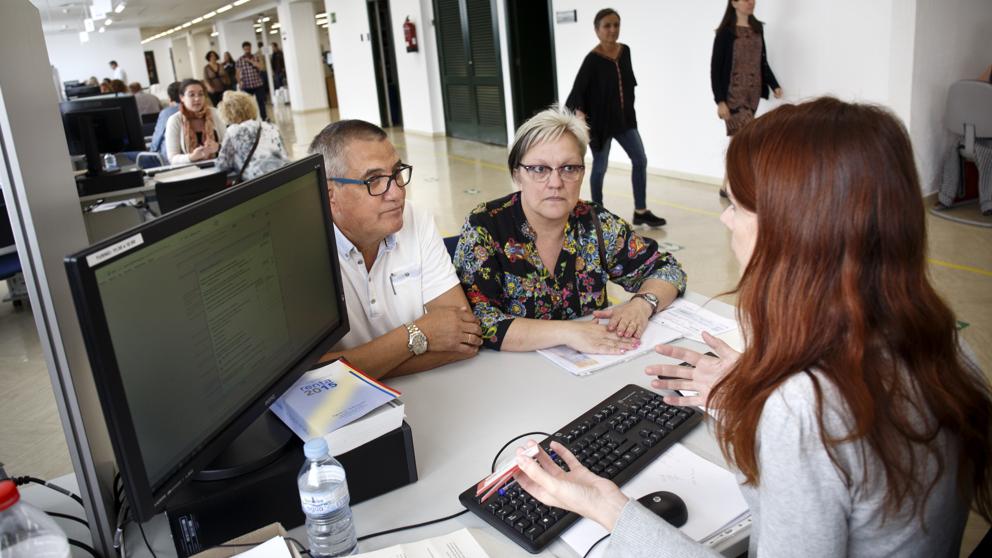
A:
615,439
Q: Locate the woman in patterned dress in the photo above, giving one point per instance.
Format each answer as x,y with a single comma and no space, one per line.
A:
739,70
532,261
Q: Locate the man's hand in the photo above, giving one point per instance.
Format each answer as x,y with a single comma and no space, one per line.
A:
451,329
629,319
723,111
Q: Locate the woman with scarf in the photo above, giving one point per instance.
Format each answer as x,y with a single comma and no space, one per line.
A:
196,131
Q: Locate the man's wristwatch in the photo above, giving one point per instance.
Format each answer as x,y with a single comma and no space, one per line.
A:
416,341
649,298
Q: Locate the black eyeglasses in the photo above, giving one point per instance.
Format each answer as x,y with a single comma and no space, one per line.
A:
542,173
380,184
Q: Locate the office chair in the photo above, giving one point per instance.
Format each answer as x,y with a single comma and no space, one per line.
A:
450,243
148,121
968,114
10,262
176,194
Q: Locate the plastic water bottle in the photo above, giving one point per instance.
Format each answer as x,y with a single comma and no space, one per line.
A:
25,531
109,162
324,495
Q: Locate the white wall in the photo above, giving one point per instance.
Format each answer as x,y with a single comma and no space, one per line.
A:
75,60
181,58
232,34
301,52
952,43
419,77
200,46
354,70
843,48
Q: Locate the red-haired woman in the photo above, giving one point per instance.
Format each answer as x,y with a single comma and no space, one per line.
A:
856,425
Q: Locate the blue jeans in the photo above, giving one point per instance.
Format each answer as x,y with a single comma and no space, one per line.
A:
630,141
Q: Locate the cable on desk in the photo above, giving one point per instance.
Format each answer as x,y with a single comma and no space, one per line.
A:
506,445
601,539
85,547
27,478
67,516
424,524
148,546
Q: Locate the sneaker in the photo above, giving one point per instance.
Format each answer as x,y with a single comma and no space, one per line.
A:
649,219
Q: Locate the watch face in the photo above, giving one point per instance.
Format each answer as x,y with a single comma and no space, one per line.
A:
418,343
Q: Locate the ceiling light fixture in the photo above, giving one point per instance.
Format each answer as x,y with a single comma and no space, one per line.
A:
265,19
240,2
120,8
223,9
273,32
320,15
108,21
209,15
102,29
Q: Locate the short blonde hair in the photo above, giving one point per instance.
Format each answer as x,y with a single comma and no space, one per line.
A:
236,107
545,126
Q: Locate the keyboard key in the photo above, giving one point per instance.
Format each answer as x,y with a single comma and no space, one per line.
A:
547,521
533,531
521,525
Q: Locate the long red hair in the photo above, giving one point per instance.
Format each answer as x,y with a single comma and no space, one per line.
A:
837,283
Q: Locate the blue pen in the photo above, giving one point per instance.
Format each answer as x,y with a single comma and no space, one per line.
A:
506,487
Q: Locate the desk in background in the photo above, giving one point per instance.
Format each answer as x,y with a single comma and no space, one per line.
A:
461,414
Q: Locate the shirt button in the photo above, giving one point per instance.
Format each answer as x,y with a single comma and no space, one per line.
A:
373,301
360,262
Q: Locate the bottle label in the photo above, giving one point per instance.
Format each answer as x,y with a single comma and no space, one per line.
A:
322,504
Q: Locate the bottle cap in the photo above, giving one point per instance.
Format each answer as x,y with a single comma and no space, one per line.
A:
315,448
8,494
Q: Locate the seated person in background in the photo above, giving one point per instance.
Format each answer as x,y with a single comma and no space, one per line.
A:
147,103
238,110
92,82
393,261
856,423
118,86
534,259
951,181
158,137
195,132
105,86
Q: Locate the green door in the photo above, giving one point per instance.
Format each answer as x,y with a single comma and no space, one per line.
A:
471,76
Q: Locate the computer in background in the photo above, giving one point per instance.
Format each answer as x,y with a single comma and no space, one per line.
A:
103,124
194,324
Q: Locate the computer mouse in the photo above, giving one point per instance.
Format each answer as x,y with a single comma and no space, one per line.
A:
667,506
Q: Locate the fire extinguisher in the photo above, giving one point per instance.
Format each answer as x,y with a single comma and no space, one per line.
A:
410,35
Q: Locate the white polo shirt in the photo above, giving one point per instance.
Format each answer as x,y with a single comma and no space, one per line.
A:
412,269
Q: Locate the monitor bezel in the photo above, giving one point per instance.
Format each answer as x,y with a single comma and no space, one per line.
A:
147,500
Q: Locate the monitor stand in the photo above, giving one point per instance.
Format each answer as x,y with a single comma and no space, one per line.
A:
259,445
96,180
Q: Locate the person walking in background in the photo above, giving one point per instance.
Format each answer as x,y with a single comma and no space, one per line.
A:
147,103
251,147
739,70
250,77
215,78
278,67
603,95
117,72
231,69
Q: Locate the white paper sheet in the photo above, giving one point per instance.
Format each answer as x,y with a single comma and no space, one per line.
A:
691,320
583,364
460,544
272,548
711,495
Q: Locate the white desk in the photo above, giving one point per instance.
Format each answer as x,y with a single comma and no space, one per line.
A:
461,414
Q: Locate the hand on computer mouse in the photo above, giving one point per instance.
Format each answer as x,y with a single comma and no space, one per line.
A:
704,373
578,490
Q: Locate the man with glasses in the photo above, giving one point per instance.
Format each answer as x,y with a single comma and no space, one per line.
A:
406,308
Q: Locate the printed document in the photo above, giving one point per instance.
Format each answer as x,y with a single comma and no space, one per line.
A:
460,544
691,320
583,364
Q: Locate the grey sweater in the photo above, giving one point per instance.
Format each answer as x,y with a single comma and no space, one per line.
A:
802,506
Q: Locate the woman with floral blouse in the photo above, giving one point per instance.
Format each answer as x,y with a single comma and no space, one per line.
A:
533,259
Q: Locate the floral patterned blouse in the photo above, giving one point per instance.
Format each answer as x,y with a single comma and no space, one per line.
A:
503,275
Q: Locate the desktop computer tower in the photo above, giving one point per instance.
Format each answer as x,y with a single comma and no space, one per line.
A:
203,514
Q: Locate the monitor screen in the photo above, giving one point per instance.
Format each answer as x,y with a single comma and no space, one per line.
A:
196,321
112,119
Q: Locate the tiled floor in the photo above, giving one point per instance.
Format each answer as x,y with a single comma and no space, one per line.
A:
450,177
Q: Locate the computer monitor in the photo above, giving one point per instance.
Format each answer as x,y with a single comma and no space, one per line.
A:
101,124
81,90
197,321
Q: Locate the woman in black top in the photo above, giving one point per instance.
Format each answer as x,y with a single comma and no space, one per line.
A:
603,94
739,70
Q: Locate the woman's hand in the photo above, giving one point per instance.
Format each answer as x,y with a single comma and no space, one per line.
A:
588,336
778,92
704,373
199,154
579,490
629,319
723,111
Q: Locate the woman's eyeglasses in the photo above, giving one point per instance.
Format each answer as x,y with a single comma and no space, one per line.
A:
542,173
379,185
